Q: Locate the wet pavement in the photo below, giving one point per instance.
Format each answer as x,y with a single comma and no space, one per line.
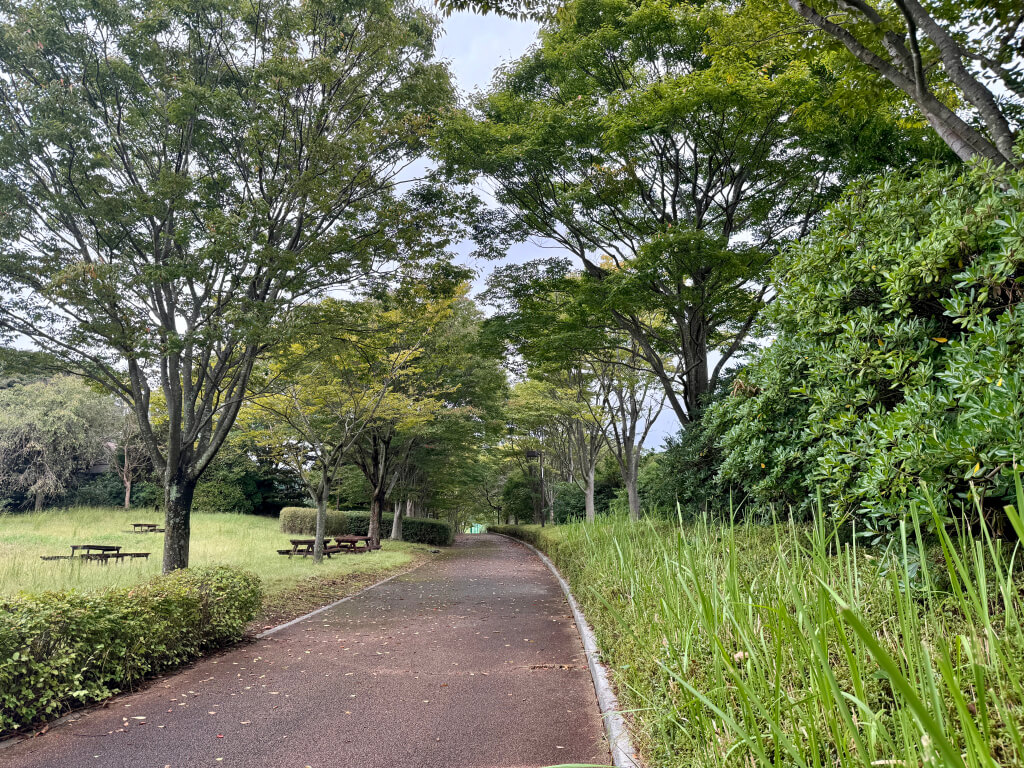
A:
470,661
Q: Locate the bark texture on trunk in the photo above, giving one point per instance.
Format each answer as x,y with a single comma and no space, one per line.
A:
634,498
904,71
376,510
589,498
39,501
127,494
178,495
321,528
396,523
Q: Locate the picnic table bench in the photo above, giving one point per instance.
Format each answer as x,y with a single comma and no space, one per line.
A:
90,548
106,557
101,553
352,543
304,547
146,528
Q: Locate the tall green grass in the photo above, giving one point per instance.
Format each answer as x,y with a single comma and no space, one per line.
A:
244,541
786,645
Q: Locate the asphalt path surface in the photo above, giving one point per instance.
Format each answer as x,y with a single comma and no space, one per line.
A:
470,661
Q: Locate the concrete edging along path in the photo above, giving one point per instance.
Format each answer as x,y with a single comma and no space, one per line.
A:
623,754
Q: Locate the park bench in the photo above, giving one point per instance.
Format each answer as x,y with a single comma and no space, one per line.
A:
146,528
98,553
305,547
106,557
88,549
352,543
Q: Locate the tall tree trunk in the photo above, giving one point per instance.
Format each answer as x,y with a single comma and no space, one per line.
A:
39,501
178,493
396,522
589,497
377,503
128,493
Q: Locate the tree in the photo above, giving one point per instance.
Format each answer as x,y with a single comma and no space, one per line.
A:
616,398
327,387
127,454
181,175
558,413
943,55
441,410
669,176
49,431
632,400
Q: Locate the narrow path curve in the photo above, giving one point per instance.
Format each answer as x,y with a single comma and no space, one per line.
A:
470,661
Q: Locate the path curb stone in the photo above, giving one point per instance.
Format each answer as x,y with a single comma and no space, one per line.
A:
623,754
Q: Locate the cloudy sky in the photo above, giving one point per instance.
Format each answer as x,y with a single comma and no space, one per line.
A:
475,45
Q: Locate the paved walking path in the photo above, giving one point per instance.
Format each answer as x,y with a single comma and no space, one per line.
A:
470,661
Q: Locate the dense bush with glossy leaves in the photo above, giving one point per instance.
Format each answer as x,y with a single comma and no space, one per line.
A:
899,331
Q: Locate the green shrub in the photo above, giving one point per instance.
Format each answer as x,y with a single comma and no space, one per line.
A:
58,649
899,334
218,496
570,503
418,530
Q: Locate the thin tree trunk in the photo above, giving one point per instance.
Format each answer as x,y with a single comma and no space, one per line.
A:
396,522
321,526
634,499
128,493
632,480
589,497
178,493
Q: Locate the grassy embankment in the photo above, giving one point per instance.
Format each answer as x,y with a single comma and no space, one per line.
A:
293,586
777,645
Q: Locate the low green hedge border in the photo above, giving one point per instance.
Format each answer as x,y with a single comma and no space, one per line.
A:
58,649
529,535
418,530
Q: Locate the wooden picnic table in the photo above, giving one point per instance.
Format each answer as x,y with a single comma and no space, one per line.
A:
106,557
305,547
90,548
352,542
146,528
302,547
101,553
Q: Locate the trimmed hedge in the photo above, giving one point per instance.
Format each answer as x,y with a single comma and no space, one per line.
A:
58,649
302,521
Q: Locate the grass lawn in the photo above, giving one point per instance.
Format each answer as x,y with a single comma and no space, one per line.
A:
293,586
